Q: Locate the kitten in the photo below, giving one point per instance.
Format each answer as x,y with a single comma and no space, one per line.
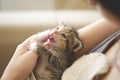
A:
56,53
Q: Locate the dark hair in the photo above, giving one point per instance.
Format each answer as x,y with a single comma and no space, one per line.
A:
112,5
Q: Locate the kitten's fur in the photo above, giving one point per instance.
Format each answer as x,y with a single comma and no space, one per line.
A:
57,56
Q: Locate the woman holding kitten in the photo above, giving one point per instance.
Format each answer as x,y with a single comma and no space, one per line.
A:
90,35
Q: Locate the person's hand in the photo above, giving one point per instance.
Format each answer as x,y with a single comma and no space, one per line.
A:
24,59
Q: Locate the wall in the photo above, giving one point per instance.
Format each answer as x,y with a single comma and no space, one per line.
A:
26,5
17,5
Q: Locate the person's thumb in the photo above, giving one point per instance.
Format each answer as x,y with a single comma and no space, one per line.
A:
28,61
30,58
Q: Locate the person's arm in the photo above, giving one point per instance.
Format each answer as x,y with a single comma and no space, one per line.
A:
22,62
94,33
24,59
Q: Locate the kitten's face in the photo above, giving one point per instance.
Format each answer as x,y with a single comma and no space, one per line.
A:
62,38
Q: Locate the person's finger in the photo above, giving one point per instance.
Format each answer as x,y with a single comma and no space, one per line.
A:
24,46
21,66
43,35
27,63
30,58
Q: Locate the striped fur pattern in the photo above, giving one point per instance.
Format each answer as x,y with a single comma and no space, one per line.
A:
53,60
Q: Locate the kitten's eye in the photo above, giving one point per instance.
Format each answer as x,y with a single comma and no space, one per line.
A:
63,35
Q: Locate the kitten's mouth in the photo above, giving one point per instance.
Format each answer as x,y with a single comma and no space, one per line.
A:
50,39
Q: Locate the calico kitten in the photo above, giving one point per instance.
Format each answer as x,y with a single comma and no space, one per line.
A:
56,53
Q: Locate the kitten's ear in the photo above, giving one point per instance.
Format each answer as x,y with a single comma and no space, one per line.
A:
62,23
77,45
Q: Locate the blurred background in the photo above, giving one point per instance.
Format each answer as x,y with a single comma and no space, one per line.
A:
20,19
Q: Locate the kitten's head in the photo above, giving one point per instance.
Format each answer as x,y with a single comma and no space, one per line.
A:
63,39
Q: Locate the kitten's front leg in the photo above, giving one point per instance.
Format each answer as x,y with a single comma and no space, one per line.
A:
39,71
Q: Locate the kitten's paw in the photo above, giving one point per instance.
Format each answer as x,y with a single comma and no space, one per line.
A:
34,46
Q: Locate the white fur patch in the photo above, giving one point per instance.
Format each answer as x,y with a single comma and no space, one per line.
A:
33,46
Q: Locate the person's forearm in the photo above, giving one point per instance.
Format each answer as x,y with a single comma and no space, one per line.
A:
94,33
